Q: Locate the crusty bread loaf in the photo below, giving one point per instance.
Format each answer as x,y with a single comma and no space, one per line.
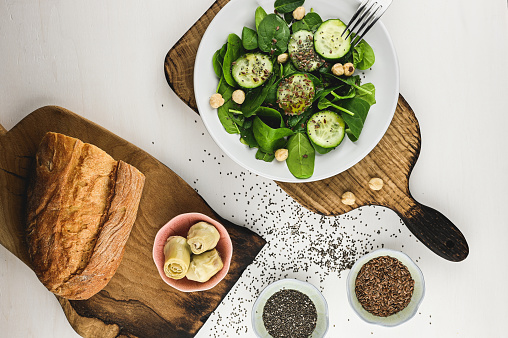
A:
82,205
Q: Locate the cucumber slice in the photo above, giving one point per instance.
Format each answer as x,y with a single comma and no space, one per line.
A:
252,70
295,93
301,51
326,129
328,41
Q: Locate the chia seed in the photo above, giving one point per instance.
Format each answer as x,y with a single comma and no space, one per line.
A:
289,313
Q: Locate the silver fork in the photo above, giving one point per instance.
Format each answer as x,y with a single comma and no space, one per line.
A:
365,17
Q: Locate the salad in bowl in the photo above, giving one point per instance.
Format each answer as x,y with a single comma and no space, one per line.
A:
292,87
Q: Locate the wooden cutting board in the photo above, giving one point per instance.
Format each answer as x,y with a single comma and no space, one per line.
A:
136,302
391,160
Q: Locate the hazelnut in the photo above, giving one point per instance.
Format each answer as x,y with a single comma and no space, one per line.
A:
338,69
376,183
281,154
299,13
238,96
348,198
349,69
216,100
282,58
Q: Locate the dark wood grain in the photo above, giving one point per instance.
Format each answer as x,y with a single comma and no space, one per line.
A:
392,160
136,302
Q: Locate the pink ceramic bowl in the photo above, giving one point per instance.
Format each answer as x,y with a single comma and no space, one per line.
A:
179,226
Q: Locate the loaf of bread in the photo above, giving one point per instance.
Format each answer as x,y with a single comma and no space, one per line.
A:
81,207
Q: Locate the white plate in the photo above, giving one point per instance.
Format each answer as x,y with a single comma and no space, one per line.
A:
384,75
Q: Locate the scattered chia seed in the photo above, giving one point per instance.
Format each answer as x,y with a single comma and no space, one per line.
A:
289,313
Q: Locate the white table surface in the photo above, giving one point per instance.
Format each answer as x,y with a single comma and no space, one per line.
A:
104,61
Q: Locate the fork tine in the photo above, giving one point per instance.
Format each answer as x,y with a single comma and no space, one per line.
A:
358,11
361,32
375,17
365,11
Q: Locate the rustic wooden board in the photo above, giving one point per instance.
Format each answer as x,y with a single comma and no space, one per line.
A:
136,302
392,160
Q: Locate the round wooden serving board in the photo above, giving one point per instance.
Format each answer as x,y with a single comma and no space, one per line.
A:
391,160
136,302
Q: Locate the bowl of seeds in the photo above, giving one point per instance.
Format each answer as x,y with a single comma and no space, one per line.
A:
385,287
290,308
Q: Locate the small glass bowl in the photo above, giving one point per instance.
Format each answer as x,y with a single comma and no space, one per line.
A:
310,290
397,318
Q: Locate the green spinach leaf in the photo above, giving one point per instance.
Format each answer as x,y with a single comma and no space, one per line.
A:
357,55
289,69
273,34
324,103
286,6
260,15
355,123
227,118
299,122
234,51
218,60
288,17
249,38
324,92
310,22
268,138
271,96
350,94
366,56
261,155
255,98
301,156
247,134
369,94
271,117
320,149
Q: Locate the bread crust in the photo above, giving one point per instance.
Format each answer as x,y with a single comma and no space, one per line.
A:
81,207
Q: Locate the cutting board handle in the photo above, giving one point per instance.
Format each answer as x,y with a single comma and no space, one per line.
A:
436,231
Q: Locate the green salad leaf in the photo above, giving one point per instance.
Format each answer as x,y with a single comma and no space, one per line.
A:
301,156
355,123
310,22
218,60
234,51
249,38
269,139
287,6
259,16
363,56
261,155
273,34
368,94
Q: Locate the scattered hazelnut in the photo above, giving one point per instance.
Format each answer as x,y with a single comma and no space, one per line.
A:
349,69
281,154
338,69
299,13
376,183
238,96
348,198
216,100
282,58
